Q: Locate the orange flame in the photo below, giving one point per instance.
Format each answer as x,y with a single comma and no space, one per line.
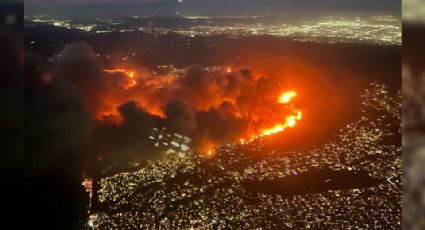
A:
286,97
260,129
209,150
290,120
277,128
130,75
228,69
242,141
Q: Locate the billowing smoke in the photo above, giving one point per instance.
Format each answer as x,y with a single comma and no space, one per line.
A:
219,125
80,66
58,132
180,117
210,105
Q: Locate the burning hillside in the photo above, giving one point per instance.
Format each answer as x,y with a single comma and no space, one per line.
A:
163,96
211,105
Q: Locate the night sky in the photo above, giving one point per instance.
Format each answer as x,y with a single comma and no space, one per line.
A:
119,8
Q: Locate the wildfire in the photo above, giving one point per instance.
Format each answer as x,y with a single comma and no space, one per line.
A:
289,121
242,141
286,97
275,129
130,75
275,117
210,152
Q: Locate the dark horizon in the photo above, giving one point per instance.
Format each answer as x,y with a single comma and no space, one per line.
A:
87,9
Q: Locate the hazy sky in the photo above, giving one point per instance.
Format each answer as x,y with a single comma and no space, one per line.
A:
303,2
217,7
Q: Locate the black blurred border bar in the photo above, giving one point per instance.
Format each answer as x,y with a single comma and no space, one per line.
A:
12,112
413,122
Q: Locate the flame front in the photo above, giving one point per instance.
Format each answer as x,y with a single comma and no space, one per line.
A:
273,118
289,121
131,81
286,97
278,128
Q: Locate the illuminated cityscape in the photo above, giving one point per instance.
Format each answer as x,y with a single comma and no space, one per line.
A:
351,182
215,114
380,30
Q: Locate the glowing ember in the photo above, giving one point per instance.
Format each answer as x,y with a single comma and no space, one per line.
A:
299,115
210,153
290,121
286,97
130,75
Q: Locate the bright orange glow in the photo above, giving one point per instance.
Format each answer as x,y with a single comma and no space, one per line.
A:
272,118
276,129
286,97
130,75
132,86
210,153
299,115
289,121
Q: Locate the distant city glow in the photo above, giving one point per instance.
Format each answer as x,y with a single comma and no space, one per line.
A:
379,29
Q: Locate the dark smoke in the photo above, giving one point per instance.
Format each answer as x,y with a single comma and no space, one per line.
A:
219,125
180,117
80,67
210,106
203,89
57,133
128,140
200,104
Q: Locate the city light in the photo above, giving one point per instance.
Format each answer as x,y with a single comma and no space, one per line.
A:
217,195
